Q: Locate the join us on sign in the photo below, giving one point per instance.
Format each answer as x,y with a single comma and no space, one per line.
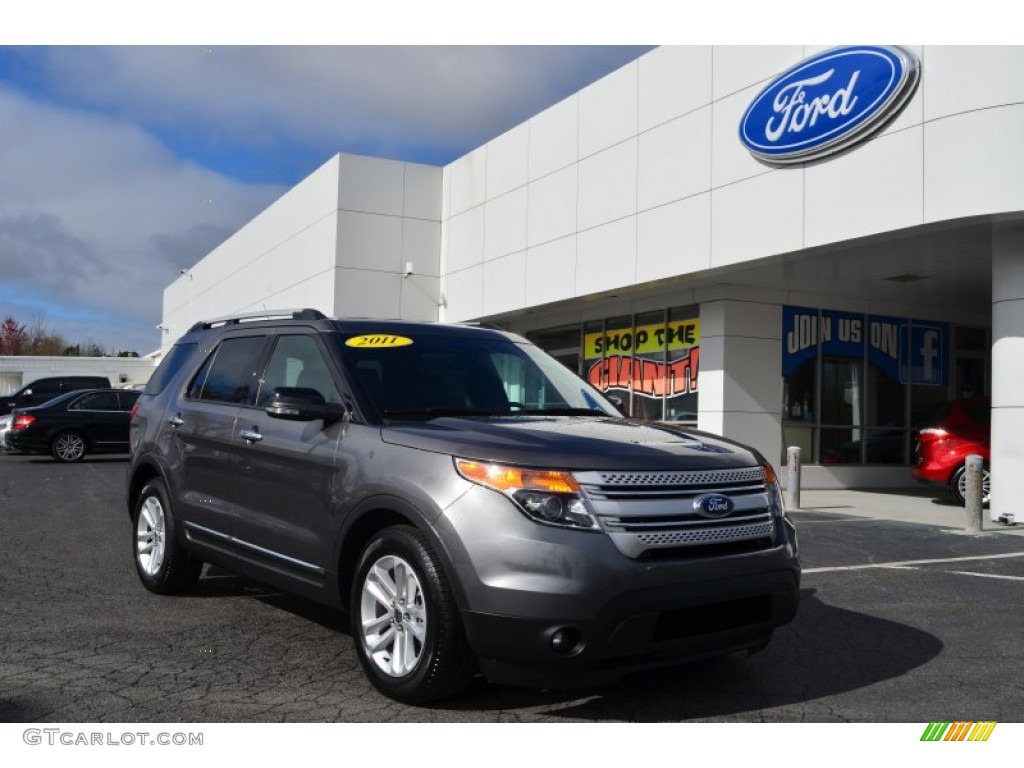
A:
904,349
882,336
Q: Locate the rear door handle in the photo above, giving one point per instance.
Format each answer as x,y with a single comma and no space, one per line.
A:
250,436
176,420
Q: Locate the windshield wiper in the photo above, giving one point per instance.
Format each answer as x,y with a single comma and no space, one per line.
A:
437,412
563,411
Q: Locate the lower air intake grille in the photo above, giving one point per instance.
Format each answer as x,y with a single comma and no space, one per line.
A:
708,535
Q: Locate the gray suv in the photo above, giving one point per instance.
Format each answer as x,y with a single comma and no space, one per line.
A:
473,505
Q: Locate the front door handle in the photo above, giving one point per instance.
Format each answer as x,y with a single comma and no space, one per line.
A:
250,436
176,420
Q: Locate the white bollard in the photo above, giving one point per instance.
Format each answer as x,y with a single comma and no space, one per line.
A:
793,477
972,494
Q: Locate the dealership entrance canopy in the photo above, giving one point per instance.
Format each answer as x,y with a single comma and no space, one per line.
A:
785,245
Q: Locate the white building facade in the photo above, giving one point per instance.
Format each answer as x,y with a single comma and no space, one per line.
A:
825,303
17,371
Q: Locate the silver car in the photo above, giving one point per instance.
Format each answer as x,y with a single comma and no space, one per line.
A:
5,426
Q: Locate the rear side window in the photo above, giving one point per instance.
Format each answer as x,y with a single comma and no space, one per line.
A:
230,374
169,366
97,401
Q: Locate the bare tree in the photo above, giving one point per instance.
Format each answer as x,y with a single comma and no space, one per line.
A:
41,341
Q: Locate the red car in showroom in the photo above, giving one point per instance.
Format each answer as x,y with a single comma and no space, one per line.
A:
952,432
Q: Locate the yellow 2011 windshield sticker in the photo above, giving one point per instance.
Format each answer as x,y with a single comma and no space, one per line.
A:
378,341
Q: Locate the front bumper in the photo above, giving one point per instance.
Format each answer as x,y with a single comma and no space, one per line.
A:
636,630
522,582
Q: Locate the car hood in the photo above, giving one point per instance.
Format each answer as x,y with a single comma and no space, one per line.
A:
572,442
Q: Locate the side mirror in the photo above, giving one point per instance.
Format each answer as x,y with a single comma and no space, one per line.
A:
619,404
302,404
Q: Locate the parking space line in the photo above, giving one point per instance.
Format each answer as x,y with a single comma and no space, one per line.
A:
988,575
898,564
843,520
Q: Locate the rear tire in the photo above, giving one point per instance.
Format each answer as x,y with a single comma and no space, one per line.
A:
68,447
958,486
405,624
164,566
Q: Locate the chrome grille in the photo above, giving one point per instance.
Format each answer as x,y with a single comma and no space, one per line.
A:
702,478
644,511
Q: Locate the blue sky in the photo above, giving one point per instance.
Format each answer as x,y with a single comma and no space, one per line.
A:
107,152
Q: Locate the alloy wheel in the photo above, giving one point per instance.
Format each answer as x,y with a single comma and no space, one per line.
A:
150,536
70,447
393,616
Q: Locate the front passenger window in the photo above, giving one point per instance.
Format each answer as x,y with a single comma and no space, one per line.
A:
297,363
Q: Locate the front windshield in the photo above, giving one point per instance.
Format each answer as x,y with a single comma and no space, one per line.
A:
430,375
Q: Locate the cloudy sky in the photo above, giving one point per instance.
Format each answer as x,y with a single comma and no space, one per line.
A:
107,153
108,150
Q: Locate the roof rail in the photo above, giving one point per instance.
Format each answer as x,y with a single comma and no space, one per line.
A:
273,314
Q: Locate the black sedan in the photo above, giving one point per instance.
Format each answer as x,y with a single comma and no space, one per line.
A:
74,424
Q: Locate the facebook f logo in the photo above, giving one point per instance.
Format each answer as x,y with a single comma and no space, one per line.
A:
928,353
928,362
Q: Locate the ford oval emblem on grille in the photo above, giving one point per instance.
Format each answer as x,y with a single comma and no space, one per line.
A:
713,506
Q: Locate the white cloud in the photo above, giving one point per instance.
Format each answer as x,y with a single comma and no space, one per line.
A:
98,210
379,97
96,217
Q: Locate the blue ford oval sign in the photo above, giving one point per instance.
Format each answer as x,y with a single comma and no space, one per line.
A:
828,102
712,505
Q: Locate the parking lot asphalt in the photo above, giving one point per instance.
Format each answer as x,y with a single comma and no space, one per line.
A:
900,621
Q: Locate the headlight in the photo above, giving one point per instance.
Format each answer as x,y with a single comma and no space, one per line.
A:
547,496
771,483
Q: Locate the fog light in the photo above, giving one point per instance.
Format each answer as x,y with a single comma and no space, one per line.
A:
566,641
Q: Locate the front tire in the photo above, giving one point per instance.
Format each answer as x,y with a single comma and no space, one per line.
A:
958,486
68,447
163,565
405,624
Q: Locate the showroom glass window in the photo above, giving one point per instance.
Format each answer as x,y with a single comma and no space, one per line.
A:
649,361
562,343
851,383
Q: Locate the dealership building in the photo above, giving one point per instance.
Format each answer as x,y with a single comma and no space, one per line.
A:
789,246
